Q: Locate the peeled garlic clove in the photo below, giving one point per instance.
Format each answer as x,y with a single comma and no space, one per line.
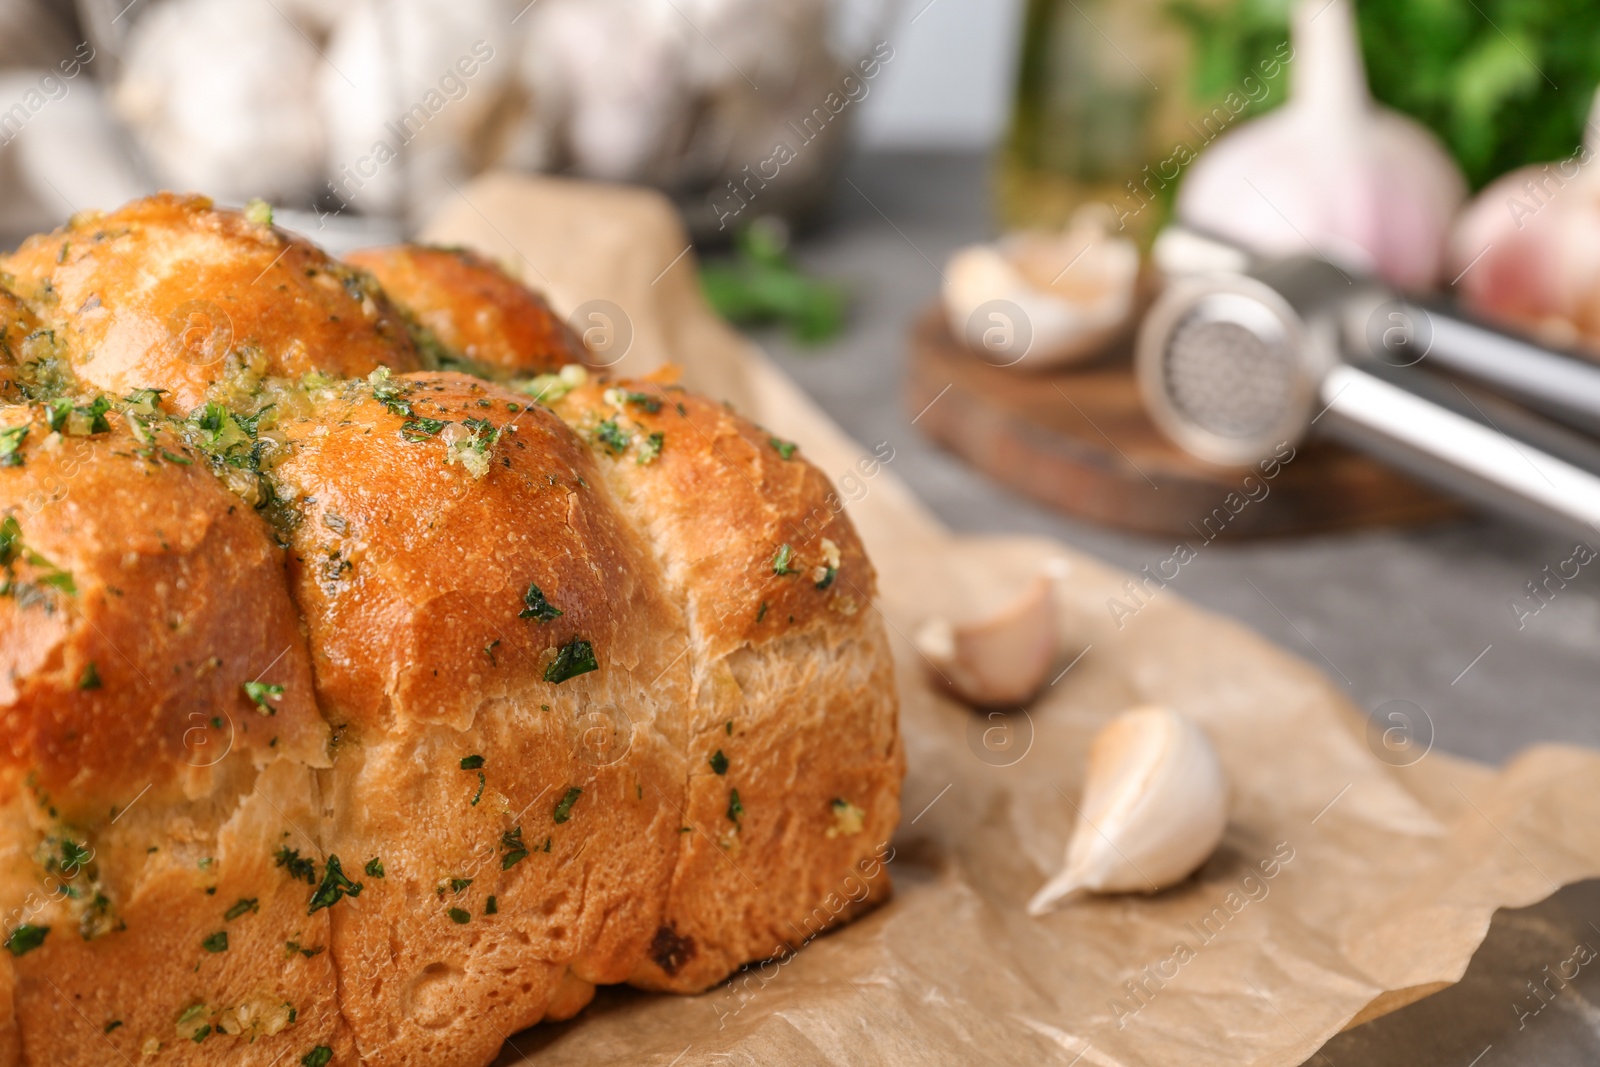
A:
1002,659
1069,294
1155,803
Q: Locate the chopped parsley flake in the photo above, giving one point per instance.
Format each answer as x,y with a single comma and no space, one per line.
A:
646,401
299,867
785,448
112,1025
217,942
458,884
244,904
90,678
420,429
202,1033
830,573
25,938
374,868
471,763
613,437
10,442
537,606
320,1056
262,693
782,559
735,809
719,762
491,906
459,916
511,840
335,886
574,658
563,810
650,448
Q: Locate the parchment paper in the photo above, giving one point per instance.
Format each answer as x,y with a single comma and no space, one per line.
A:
1347,884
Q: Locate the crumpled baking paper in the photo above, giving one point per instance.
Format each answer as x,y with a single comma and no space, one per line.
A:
1358,873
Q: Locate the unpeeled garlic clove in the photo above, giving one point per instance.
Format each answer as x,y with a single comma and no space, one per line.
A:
1002,659
1070,293
1155,803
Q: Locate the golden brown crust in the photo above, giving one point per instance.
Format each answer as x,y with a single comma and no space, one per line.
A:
142,597
512,832
788,659
170,293
432,514
477,312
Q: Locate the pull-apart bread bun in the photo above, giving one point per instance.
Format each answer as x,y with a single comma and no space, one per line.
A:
359,710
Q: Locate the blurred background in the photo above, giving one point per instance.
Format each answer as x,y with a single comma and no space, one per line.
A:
1102,270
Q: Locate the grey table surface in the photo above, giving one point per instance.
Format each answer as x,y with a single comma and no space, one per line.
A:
1419,614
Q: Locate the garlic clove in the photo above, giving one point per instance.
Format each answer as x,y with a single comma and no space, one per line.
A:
1002,659
1155,803
1070,293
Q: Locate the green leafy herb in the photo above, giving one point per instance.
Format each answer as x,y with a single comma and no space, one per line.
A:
830,573
299,867
390,393
25,938
650,448
491,906
537,606
645,400
10,442
782,559
112,1025
735,809
563,810
335,886
574,658
459,916
90,678
243,905
202,1033
761,612
785,448
516,852
613,437
760,284
10,540
217,942
262,693
719,762
374,868
471,763
317,1057
458,884
420,429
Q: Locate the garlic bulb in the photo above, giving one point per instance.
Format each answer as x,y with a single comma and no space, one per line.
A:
1525,248
1002,659
1155,803
1330,173
220,97
1068,293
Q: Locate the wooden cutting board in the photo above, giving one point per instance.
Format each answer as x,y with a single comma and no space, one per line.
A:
1079,440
